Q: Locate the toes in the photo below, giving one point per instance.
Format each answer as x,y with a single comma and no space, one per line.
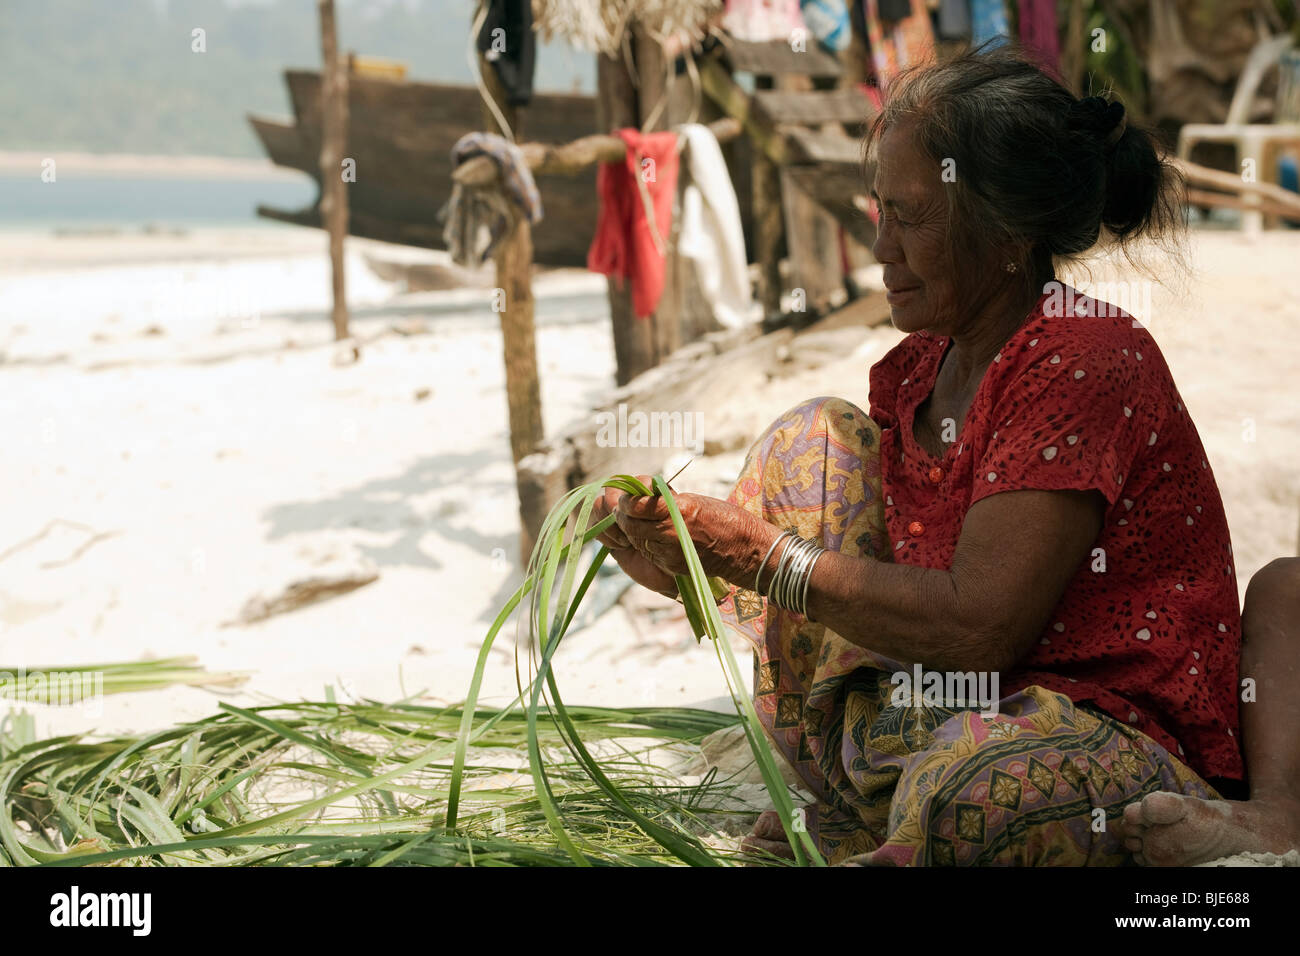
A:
758,847
1133,816
768,826
1133,844
1163,808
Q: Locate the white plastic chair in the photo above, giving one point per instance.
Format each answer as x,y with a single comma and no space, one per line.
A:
1260,142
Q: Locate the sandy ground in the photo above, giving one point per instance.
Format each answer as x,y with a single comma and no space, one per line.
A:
180,440
176,413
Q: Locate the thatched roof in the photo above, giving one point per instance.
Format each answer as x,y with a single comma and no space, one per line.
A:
600,25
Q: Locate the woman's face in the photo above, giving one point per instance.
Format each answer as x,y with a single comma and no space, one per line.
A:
912,235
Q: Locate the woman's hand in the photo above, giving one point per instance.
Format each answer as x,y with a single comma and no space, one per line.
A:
725,535
635,564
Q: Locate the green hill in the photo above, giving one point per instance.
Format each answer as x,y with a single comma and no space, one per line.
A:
119,76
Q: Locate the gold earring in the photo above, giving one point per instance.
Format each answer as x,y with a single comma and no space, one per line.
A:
1011,267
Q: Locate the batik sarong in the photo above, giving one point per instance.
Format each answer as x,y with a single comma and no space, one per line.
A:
1041,780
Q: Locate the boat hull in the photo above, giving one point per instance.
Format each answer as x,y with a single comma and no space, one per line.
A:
400,136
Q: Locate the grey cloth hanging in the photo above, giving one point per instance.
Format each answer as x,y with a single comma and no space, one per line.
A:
954,19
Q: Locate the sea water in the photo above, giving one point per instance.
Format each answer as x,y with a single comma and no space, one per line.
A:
94,201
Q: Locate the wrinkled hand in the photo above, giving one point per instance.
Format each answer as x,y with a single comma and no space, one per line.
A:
645,544
722,532
636,565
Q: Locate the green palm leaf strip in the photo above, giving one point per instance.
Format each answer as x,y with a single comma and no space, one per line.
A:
550,610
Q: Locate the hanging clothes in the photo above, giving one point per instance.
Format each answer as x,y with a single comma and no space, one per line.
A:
758,21
710,233
507,42
989,23
954,19
476,218
829,22
898,44
636,215
1038,34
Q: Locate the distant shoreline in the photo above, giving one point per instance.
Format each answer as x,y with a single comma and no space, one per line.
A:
129,165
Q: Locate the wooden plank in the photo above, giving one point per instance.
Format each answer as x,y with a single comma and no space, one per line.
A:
698,377
1202,197
571,158
769,224
814,107
777,57
720,87
815,276
1199,175
820,146
836,189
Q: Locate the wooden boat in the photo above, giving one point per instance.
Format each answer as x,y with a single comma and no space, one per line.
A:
400,134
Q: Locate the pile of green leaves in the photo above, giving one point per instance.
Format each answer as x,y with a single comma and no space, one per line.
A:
534,783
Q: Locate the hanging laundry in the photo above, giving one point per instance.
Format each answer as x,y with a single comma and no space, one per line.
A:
507,42
829,22
636,215
710,233
758,21
989,23
954,19
898,45
1038,33
476,218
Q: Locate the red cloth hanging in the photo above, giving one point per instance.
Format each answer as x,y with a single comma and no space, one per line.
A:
1038,33
624,245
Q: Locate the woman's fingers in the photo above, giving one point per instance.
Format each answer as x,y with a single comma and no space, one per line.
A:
606,505
643,507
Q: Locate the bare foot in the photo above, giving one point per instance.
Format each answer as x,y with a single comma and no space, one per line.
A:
1169,829
768,837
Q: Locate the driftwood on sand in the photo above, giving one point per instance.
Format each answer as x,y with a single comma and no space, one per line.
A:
301,593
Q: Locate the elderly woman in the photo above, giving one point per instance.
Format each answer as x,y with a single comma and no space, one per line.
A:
1028,502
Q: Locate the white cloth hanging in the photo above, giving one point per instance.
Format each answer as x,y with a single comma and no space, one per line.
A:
709,231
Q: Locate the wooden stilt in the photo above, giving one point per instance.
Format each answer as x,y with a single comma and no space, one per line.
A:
769,224
616,108
334,126
513,259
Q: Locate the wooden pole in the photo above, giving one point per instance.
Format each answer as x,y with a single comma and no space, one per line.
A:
634,341
656,112
769,224
334,126
513,259
568,159
514,265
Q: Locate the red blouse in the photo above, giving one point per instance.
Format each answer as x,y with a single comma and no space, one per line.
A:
1149,628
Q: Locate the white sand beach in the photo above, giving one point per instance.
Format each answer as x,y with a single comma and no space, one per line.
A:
181,440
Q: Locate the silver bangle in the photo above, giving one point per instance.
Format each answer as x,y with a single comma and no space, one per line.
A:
778,579
788,588
780,587
803,600
797,573
762,564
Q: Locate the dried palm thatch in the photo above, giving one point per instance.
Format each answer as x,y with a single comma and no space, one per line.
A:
600,25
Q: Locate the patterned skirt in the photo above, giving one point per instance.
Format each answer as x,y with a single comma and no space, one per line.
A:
1041,782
